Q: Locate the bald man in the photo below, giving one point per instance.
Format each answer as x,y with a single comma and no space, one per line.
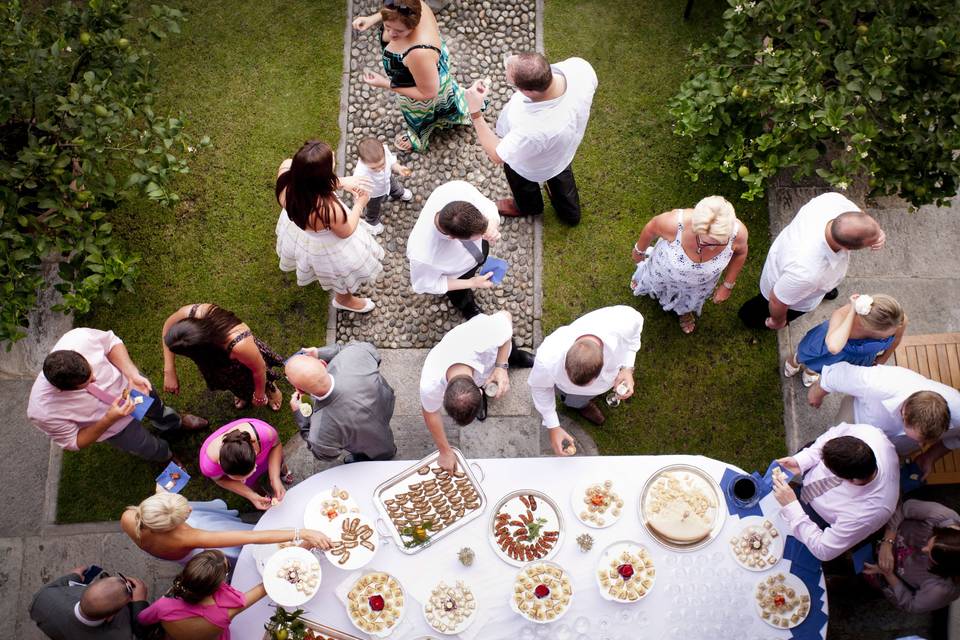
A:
809,259
349,403
106,609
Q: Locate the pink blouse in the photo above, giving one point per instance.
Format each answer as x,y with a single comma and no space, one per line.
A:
267,435
166,608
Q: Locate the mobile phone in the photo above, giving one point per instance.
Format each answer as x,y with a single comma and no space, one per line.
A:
91,573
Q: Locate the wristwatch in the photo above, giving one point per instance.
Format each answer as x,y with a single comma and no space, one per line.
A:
505,365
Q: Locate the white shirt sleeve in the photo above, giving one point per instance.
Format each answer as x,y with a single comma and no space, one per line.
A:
424,278
809,457
827,544
516,148
793,287
498,328
542,387
431,396
850,379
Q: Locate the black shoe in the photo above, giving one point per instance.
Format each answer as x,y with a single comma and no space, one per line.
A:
832,294
520,359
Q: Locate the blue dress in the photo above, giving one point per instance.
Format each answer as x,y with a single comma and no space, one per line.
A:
812,351
214,516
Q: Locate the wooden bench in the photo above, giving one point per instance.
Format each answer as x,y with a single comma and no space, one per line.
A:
935,356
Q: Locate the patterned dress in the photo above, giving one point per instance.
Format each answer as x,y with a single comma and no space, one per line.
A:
677,282
423,117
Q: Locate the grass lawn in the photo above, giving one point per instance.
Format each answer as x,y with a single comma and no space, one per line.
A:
259,77
715,392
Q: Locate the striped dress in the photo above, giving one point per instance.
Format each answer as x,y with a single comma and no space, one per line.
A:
423,117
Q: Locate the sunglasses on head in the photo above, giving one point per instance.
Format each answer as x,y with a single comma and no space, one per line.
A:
398,6
127,583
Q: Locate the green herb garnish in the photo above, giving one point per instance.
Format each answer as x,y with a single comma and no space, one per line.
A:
533,528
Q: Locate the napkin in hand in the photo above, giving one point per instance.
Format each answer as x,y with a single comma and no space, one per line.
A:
910,477
171,484
767,482
140,410
496,266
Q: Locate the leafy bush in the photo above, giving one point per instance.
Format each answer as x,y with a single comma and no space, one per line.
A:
849,88
78,135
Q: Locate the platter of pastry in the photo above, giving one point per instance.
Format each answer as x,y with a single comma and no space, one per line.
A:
682,507
327,506
354,542
782,600
450,609
542,592
375,603
625,572
425,503
525,526
758,546
291,576
597,504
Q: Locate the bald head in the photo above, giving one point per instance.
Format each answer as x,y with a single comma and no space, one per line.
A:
855,230
104,598
308,374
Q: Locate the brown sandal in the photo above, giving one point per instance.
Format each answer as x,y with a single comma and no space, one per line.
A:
402,143
688,322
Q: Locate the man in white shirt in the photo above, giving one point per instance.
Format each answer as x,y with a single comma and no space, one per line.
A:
851,483
449,242
808,259
457,371
911,409
538,131
582,360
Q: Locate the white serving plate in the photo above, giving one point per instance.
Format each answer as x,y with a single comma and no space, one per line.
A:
577,497
263,552
281,591
794,583
314,516
721,507
463,625
613,551
776,547
517,610
385,632
359,556
552,515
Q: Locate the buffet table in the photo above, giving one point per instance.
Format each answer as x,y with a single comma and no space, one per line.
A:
700,594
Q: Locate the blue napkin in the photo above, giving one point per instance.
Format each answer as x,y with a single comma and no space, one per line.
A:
863,553
805,566
906,482
140,410
497,266
725,481
766,483
166,477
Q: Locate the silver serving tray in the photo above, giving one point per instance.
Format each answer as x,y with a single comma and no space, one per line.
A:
718,497
410,475
539,495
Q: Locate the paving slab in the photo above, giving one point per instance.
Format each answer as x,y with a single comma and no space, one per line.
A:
11,565
22,489
498,437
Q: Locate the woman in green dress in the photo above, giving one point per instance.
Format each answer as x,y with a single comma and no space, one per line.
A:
415,60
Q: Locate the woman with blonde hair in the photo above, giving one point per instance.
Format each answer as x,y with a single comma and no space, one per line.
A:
864,332
694,248
168,527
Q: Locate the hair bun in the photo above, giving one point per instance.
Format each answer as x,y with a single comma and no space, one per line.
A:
863,305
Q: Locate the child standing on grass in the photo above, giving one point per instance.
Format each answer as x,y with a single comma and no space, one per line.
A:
379,165
864,332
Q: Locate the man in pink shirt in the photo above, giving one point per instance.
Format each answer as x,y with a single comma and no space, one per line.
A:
80,398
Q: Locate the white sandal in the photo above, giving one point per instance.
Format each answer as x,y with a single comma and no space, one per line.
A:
789,370
809,377
367,307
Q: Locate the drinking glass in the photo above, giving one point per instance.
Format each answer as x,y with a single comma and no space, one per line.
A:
581,624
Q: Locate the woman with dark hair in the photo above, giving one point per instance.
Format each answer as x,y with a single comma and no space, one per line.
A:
416,62
918,567
229,356
238,453
200,604
317,236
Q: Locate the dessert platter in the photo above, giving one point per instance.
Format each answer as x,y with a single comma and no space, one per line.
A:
625,572
782,600
758,546
680,507
450,609
375,603
525,526
542,592
291,576
327,506
597,504
263,552
425,503
353,543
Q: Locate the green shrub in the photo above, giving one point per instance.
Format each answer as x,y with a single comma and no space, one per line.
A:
78,135
849,88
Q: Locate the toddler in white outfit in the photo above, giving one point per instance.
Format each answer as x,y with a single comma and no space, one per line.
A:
380,166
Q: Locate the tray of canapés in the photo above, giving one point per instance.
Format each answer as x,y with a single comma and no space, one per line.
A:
680,507
375,603
291,576
327,506
758,546
425,503
542,592
782,600
597,504
450,609
353,543
625,572
526,526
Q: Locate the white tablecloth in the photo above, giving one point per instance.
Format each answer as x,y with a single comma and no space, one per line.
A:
703,594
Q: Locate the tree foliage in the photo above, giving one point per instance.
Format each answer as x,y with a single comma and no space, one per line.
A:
848,88
78,136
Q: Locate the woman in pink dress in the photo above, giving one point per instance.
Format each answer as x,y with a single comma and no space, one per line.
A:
200,604
238,453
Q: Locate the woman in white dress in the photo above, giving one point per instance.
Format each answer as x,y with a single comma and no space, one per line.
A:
694,248
317,236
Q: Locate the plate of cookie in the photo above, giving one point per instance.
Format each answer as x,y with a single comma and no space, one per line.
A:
782,600
597,504
542,592
758,546
291,576
450,609
526,526
375,603
327,506
354,542
625,572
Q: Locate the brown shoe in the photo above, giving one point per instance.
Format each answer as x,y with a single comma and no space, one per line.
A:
192,423
508,207
592,413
